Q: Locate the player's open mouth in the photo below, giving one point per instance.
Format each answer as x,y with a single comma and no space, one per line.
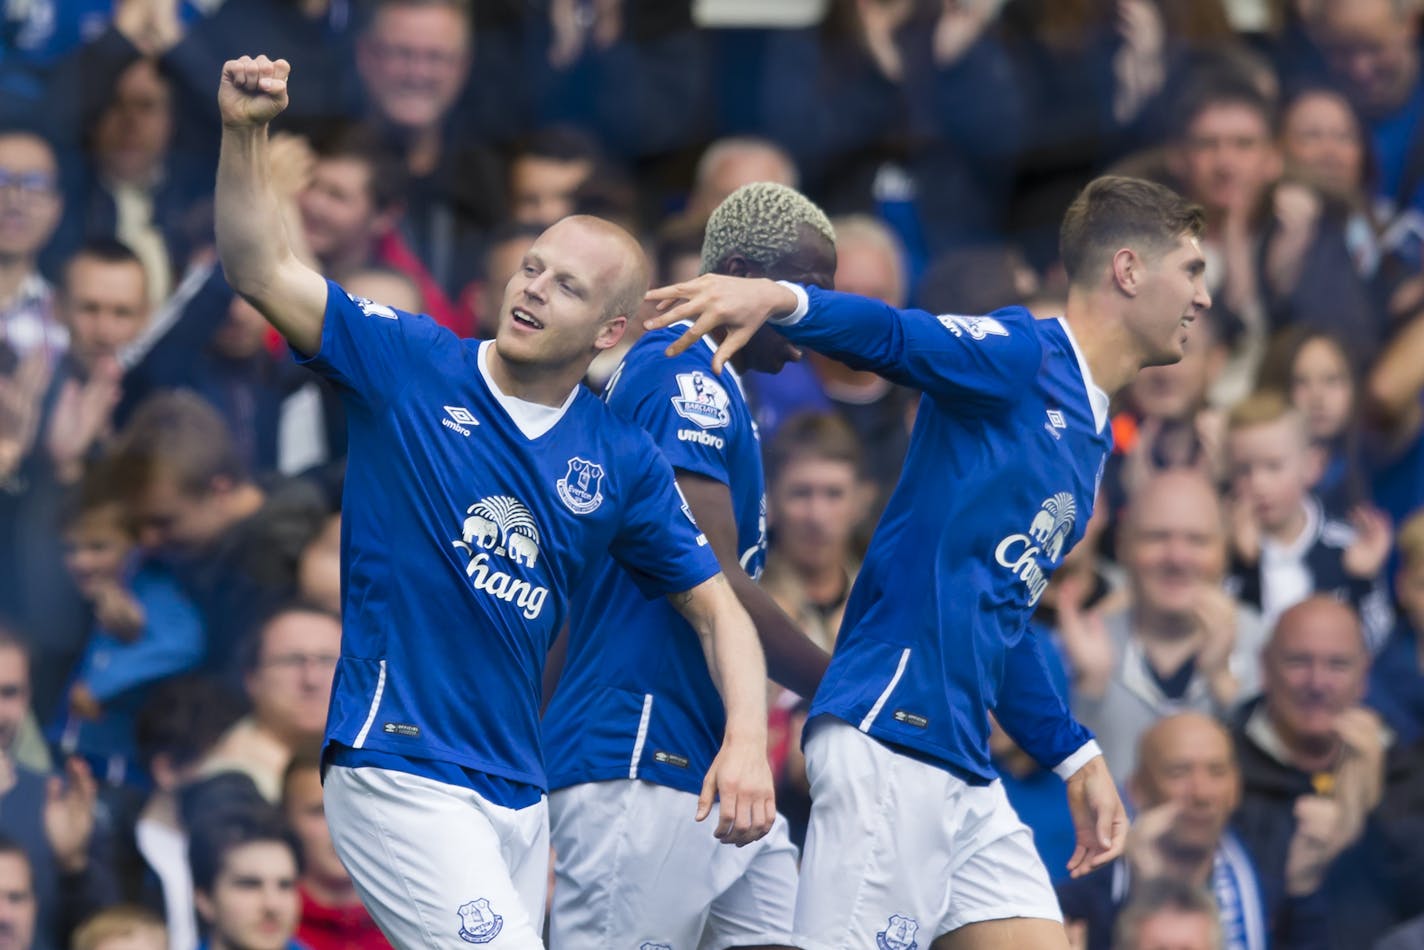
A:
525,318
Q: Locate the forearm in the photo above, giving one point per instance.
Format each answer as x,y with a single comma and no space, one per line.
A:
734,659
792,658
1032,711
251,235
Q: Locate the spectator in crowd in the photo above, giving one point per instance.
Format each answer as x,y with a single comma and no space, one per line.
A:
1181,642
1397,674
123,927
413,60
246,863
1185,787
18,906
1371,51
145,630
139,195
103,303
350,210
816,498
1315,370
177,727
50,817
1170,422
1314,768
319,571
1271,259
730,163
1169,915
288,668
332,915
31,202
233,543
1285,545
546,173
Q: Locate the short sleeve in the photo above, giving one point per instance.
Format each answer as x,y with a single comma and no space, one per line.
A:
687,411
658,541
371,350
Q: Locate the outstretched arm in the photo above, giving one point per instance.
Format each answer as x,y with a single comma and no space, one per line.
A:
256,255
740,776
976,362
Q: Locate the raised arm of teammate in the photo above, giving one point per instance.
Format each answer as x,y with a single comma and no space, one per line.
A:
740,776
978,362
793,659
256,256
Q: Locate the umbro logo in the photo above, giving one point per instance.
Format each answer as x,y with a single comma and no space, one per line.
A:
1055,422
461,417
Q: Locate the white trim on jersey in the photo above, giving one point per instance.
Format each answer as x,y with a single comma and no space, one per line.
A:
1096,397
1085,754
532,419
642,735
375,704
869,719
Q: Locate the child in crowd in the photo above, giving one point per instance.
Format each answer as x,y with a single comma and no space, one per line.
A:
1315,371
1286,547
145,630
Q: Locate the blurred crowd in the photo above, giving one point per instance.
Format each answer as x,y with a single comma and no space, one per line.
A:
1241,628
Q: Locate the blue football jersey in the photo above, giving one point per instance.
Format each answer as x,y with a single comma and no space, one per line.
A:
636,699
1003,466
468,518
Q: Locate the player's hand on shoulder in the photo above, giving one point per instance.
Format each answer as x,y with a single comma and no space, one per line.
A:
740,780
738,305
253,91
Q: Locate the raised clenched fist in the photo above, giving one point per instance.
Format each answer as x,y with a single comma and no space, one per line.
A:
253,91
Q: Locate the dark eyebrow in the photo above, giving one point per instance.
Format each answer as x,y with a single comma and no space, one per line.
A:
1196,265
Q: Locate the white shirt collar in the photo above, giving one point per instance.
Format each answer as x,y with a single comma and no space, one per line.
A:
532,418
1096,397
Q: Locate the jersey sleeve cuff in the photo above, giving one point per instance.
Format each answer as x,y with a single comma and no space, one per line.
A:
1065,769
803,304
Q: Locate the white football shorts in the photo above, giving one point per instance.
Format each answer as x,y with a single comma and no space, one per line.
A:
899,852
633,870
437,865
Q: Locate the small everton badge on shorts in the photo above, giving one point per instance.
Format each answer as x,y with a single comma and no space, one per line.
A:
478,922
581,488
654,946
899,934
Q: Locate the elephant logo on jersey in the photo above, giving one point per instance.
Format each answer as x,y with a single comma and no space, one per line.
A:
581,488
701,400
1047,534
478,922
502,526
899,934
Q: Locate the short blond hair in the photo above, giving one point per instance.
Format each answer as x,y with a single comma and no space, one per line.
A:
762,223
123,920
1262,408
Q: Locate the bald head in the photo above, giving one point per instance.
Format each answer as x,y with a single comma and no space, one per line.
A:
1181,491
1170,735
1316,666
622,265
730,163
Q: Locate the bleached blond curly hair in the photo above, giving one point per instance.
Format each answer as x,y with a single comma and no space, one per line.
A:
762,223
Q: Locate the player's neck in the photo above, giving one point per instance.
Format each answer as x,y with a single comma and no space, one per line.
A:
543,385
1111,356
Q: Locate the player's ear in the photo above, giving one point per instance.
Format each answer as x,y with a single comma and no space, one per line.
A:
1127,271
610,332
736,266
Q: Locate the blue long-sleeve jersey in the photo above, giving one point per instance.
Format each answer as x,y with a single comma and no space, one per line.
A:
1003,466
